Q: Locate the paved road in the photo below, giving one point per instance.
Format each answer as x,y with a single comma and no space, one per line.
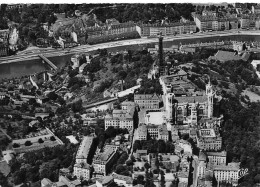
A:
195,163
31,54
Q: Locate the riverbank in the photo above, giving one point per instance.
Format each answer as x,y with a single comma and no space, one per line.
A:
33,54
17,66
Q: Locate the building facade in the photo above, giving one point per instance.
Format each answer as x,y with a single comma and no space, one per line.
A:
121,119
147,101
167,29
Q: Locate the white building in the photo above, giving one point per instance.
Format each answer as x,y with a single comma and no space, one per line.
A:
227,173
82,171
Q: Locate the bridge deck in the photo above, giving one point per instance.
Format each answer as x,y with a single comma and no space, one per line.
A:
48,61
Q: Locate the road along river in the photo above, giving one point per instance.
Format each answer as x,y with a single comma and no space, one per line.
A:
25,64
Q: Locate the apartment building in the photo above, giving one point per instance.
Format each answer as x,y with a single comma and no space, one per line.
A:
122,28
82,171
244,22
217,158
158,132
212,22
82,167
147,101
103,161
83,151
227,173
141,132
167,29
121,119
208,139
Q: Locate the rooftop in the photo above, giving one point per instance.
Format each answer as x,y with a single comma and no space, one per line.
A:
84,147
155,117
191,99
205,133
233,166
227,55
146,97
142,130
128,180
220,154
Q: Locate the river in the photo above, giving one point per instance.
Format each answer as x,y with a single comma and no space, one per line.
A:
18,69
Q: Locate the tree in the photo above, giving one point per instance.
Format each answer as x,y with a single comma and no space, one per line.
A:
52,19
137,145
122,158
129,162
28,143
147,166
120,168
162,178
111,132
52,96
40,140
140,179
52,138
77,106
3,180
161,146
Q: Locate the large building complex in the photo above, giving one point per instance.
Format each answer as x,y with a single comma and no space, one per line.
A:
188,109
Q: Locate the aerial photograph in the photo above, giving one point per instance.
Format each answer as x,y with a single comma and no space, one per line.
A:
130,94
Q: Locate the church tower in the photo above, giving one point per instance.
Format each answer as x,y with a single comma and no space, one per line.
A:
210,95
194,117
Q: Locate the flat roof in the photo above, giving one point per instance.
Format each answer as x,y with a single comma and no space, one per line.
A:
155,117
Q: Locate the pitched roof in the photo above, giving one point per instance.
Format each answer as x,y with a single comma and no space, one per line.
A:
227,55
146,97
192,99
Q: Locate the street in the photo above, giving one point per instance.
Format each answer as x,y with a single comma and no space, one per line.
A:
195,163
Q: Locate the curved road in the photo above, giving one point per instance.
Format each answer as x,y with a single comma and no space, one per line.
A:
49,52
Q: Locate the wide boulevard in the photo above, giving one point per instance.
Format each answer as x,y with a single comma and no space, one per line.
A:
50,52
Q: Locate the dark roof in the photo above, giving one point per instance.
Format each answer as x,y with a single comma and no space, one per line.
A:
191,99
